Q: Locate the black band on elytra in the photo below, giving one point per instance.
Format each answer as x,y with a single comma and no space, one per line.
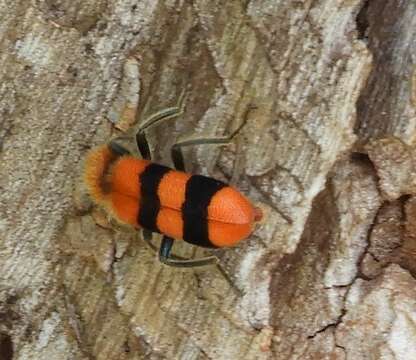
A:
150,179
199,192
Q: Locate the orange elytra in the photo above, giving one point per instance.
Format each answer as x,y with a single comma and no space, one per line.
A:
143,194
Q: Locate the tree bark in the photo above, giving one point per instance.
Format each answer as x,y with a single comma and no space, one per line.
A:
327,151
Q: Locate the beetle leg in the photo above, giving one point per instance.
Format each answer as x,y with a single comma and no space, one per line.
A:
166,257
118,149
155,119
176,150
147,237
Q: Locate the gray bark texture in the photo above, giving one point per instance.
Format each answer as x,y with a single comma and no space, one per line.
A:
328,153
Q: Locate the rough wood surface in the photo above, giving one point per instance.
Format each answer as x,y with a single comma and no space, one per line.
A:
328,152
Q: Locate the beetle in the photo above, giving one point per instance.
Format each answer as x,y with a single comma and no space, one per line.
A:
136,191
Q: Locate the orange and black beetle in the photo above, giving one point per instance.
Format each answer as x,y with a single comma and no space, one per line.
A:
198,209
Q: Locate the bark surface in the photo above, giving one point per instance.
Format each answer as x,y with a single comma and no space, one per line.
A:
328,153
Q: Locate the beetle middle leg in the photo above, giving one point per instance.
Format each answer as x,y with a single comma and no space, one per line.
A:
170,258
167,258
155,119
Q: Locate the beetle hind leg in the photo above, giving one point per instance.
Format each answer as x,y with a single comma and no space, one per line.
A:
176,150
